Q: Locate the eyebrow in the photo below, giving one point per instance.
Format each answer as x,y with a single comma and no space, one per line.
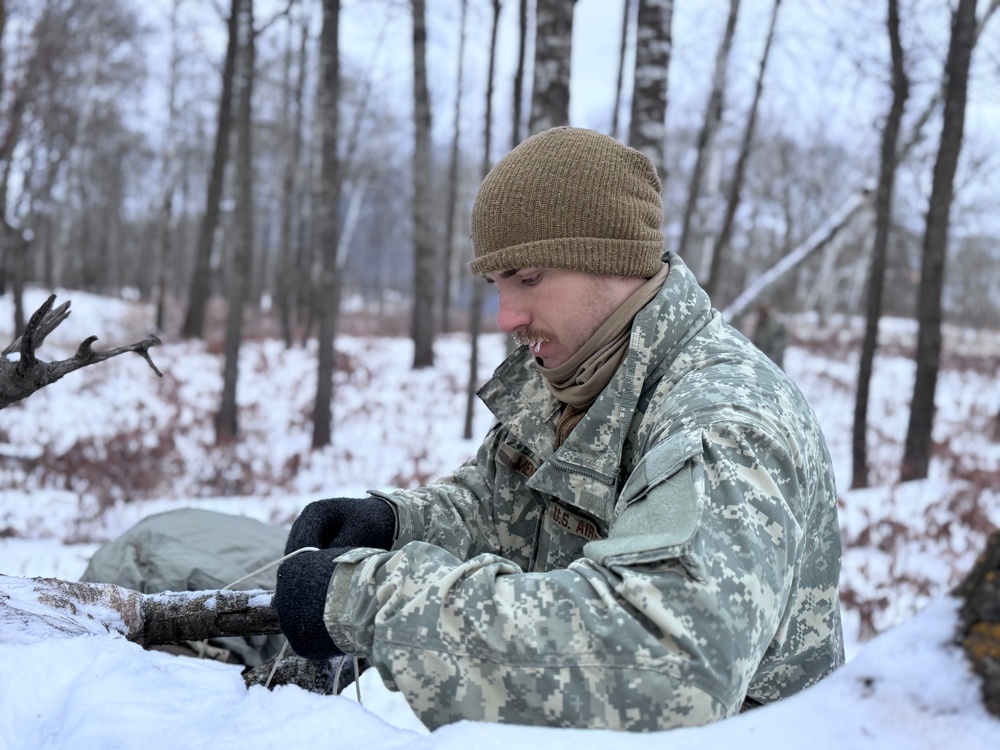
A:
503,275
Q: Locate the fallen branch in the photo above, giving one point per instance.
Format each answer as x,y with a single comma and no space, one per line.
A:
819,239
33,609
75,608
193,616
21,377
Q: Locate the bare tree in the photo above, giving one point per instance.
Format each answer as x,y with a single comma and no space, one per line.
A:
453,164
200,286
553,47
522,53
226,423
713,118
74,64
327,214
287,281
713,284
648,124
164,264
476,305
622,49
424,255
876,273
847,211
917,449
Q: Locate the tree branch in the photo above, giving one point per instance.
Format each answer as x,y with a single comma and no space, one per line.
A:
193,616
75,608
37,608
20,378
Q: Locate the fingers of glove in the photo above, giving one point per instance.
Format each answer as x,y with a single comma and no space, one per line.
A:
318,524
300,599
344,522
369,522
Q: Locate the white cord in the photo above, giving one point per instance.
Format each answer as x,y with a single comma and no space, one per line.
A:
271,565
277,661
284,646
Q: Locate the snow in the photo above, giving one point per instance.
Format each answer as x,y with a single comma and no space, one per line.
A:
87,457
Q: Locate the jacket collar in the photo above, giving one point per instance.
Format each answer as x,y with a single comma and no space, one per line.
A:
583,472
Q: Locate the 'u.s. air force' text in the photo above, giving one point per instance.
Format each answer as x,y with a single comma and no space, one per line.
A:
574,524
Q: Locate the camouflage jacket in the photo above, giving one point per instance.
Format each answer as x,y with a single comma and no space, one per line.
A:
679,552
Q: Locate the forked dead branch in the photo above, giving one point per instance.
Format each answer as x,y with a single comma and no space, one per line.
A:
21,377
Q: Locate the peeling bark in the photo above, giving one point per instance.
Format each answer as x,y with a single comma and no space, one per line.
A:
979,621
76,608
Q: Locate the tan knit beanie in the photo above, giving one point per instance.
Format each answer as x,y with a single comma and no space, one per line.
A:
569,198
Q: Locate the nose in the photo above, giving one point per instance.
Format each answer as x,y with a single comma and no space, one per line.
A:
511,316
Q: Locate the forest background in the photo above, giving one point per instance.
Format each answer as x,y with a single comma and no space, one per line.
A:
282,155
301,170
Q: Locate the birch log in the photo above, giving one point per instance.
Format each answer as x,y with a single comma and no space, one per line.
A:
36,605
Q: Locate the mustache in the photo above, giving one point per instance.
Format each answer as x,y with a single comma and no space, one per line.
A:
529,336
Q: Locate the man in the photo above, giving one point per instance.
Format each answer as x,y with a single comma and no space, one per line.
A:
647,536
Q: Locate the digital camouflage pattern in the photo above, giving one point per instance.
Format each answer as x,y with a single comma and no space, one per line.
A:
680,551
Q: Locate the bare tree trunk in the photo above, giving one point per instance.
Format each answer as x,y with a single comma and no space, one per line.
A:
199,290
916,453
522,52
476,305
449,236
287,277
876,274
713,118
648,125
164,264
327,214
424,256
3,26
553,47
12,241
622,49
713,285
226,424
16,249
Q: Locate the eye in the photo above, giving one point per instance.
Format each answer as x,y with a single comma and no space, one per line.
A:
531,280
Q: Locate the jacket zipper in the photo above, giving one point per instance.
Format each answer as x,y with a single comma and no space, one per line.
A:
603,479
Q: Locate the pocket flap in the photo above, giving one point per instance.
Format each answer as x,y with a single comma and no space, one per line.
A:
659,509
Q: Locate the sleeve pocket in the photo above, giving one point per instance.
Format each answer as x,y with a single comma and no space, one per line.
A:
659,509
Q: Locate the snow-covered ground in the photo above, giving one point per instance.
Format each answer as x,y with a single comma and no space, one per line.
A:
87,457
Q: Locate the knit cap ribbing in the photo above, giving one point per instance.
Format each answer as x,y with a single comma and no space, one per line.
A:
569,198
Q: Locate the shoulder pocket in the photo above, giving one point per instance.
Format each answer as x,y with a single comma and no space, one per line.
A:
659,508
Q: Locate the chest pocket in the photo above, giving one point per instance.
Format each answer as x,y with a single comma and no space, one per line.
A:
659,509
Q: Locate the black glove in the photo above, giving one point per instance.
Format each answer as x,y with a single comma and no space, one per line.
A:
299,599
344,522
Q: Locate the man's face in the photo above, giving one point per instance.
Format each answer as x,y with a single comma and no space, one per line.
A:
554,311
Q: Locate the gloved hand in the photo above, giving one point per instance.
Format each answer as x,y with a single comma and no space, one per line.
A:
300,598
344,522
